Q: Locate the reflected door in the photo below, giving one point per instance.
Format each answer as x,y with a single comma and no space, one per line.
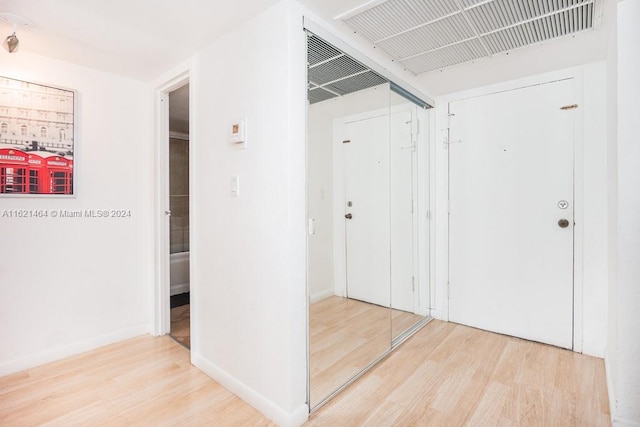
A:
367,233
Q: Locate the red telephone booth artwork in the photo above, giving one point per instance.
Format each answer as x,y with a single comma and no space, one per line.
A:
13,171
37,172
59,175
37,139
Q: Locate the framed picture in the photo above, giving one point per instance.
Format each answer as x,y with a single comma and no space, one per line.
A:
37,139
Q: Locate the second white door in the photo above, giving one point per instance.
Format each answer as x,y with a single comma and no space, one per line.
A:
366,160
379,224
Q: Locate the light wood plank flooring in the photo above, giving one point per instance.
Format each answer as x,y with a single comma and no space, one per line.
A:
453,375
145,381
445,375
345,335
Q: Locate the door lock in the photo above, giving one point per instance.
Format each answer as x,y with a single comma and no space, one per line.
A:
348,216
563,223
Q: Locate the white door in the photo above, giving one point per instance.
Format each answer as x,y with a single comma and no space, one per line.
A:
366,161
511,185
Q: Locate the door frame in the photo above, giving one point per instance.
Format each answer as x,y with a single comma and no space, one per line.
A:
440,136
161,273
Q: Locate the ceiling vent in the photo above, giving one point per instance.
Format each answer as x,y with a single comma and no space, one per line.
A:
332,73
430,35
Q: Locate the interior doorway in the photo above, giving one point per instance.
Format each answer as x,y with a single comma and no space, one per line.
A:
178,214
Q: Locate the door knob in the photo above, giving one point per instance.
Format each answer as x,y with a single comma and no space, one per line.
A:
167,213
563,223
348,216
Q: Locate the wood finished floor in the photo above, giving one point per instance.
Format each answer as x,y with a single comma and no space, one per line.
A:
453,375
345,335
145,381
181,324
445,375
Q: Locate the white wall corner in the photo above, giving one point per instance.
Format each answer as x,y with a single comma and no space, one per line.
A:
319,296
269,409
58,353
619,422
610,387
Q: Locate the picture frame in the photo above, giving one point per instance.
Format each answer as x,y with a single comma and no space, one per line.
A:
37,139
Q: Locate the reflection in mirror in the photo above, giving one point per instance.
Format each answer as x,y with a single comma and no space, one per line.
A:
408,155
363,168
349,324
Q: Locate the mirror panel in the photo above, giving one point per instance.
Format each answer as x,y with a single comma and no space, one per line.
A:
348,246
367,184
405,148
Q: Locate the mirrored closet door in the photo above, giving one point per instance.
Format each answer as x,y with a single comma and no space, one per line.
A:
368,288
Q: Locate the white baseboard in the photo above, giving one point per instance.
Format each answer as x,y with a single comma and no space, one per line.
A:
53,354
179,288
319,296
619,422
252,397
610,390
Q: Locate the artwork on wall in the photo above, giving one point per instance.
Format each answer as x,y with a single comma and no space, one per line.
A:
37,141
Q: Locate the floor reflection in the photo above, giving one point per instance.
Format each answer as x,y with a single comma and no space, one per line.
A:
181,325
345,335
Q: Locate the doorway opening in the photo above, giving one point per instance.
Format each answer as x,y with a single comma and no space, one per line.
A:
178,213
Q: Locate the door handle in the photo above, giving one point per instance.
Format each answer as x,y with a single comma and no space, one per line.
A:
563,223
348,216
167,213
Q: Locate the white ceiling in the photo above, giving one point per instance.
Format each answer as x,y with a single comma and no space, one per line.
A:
137,38
142,38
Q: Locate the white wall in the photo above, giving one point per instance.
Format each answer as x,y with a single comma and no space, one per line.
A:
624,351
591,190
612,230
73,284
249,287
594,192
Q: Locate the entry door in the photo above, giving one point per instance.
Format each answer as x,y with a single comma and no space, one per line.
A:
366,161
511,213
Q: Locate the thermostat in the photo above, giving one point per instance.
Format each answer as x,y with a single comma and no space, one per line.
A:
238,134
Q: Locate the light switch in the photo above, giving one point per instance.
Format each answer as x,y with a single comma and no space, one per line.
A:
235,186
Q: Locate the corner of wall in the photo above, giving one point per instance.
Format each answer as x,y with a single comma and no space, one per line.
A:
58,353
269,409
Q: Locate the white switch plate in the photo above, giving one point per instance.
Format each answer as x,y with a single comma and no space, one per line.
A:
235,186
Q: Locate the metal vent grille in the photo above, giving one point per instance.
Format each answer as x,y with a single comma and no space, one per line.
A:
331,73
425,36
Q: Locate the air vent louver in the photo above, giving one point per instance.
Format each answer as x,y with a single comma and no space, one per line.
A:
331,73
430,35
